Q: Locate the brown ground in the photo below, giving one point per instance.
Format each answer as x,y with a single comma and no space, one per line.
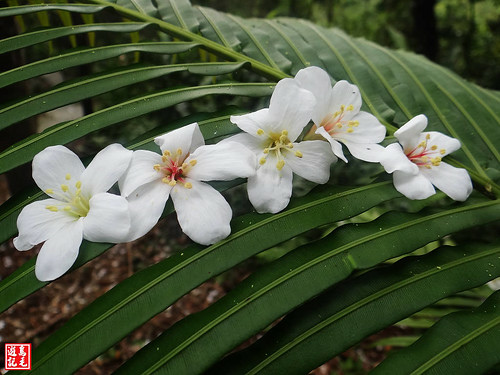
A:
37,316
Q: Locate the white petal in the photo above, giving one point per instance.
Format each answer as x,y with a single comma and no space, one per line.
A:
146,204
222,161
394,159
413,186
203,213
369,130
443,142
335,145
270,189
140,171
454,182
51,167
409,133
188,138
108,219
314,165
366,151
36,223
253,144
105,169
317,81
345,94
292,107
252,122
59,252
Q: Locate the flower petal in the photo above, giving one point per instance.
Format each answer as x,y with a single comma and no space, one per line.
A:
365,151
292,107
146,204
188,138
314,163
413,186
408,135
369,130
335,145
222,161
346,94
270,189
52,166
108,219
36,223
59,252
252,122
394,159
253,144
203,213
454,182
443,142
105,169
317,81
140,171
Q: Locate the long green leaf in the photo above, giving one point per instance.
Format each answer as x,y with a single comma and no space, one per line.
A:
150,291
80,57
25,150
26,9
338,317
288,282
82,89
473,336
35,37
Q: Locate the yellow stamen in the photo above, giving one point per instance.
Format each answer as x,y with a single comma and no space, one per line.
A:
262,161
260,131
179,151
172,183
164,159
442,151
64,188
427,166
52,208
193,162
188,185
280,164
49,191
165,180
78,184
350,130
339,126
434,147
67,208
350,107
284,132
266,151
298,154
156,167
166,153
68,177
184,166
427,136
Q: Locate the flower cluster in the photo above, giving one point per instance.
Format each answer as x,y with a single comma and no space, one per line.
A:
268,152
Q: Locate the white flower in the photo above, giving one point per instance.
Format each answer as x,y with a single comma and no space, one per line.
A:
337,116
203,213
271,135
79,207
417,164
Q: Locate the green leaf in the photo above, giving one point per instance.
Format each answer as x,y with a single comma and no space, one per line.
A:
473,335
80,57
35,37
25,150
300,275
339,316
95,85
27,9
148,292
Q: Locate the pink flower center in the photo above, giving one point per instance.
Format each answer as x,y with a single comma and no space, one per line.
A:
174,169
425,156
